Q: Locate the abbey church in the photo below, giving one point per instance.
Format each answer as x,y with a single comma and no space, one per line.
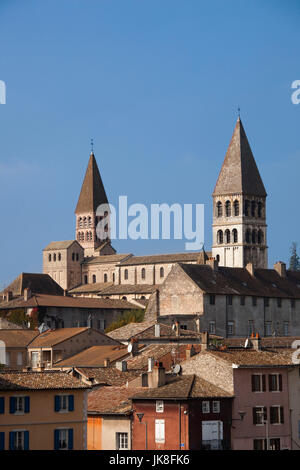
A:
90,266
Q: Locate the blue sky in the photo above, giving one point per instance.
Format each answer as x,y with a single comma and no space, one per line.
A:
157,85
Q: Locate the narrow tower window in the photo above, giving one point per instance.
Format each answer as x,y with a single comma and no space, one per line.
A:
227,236
219,209
235,235
236,206
246,207
220,237
143,273
228,208
253,208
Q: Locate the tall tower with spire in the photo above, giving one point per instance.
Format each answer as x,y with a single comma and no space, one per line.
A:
239,208
92,194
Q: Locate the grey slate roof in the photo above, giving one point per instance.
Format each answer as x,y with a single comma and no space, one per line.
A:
239,173
92,191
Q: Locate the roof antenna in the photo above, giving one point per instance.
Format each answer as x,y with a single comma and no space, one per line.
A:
92,145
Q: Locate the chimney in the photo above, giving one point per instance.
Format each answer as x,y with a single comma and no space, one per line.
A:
65,292
213,263
250,268
204,340
256,342
8,295
121,366
134,346
190,351
106,362
157,330
150,363
280,267
157,377
27,294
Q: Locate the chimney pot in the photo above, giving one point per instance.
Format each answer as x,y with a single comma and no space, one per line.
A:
280,267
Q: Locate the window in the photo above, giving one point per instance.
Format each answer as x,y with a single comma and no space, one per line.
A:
268,328
73,256
275,382
266,302
2,440
285,328
159,406
259,415
236,207
122,441
126,274
212,299
105,277
114,277
219,209
54,257
7,358
19,440
77,257
259,209
59,256
230,328
219,237
229,299
228,209
212,327
260,237
161,272
85,279
63,403
254,236
160,431
242,300
19,405
227,236
246,207
216,407
276,415
250,327
143,273
49,257
63,439
254,301
94,278
258,382
293,303
20,359
248,236
205,407
235,235
253,208
259,444
2,405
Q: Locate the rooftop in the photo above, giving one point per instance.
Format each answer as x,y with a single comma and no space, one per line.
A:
166,258
95,356
17,338
12,380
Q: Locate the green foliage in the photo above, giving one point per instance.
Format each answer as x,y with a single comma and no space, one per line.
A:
294,259
132,316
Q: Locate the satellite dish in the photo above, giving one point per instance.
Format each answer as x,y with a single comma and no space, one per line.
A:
246,343
129,349
177,368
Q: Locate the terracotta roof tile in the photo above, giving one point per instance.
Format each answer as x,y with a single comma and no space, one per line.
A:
38,381
17,338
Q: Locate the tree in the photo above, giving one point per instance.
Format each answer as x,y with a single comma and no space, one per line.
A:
131,316
294,259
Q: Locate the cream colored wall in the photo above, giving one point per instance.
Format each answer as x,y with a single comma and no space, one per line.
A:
42,420
112,425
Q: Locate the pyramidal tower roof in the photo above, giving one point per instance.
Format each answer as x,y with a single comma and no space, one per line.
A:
92,192
239,173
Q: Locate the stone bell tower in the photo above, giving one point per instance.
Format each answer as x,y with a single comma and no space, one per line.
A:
239,208
91,196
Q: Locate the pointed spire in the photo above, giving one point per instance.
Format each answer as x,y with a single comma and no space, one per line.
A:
239,173
92,191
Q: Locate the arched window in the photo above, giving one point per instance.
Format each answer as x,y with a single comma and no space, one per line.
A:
94,278
49,257
90,221
253,208
248,236
161,272
218,258
227,236
114,276
235,235
259,209
219,209
124,297
220,237
143,297
126,274
228,208
236,206
246,207
80,222
77,257
143,273
87,236
105,277
85,279
73,256
54,257
59,256
84,222
254,236
260,237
